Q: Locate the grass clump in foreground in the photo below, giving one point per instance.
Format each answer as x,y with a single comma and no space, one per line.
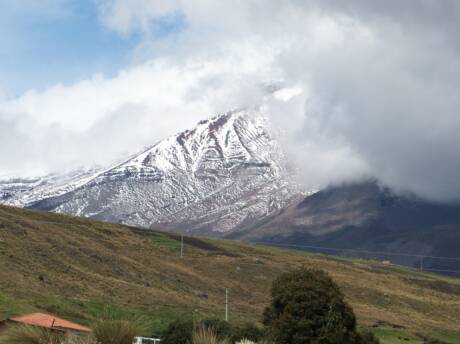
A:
24,334
204,335
116,331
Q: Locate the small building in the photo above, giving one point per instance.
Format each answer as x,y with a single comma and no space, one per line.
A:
46,321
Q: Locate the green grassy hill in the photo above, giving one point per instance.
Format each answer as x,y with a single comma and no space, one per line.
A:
79,269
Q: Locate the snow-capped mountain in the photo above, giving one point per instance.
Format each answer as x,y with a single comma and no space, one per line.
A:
223,175
228,177
25,191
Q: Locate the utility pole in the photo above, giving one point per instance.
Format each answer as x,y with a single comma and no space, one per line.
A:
181,245
421,263
226,304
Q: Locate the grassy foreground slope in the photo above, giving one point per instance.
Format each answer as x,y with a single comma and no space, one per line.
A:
79,269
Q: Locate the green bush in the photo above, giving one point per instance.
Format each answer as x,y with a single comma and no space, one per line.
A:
307,307
178,332
181,331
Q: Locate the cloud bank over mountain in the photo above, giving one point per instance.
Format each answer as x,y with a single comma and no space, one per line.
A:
378,85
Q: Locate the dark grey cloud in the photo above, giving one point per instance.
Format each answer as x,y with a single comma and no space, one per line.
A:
394,101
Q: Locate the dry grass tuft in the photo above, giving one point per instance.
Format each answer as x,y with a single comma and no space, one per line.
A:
204,335
245,341
23,334
114,331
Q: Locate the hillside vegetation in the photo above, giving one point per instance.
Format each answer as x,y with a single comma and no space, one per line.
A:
80,269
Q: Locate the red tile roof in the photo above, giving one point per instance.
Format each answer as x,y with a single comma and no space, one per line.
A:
49,321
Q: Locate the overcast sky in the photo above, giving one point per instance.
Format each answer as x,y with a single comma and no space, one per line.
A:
374,85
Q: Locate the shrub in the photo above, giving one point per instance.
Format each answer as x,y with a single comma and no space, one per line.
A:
178,332
247,331
221,328
206,335
114,331
307,307
181,331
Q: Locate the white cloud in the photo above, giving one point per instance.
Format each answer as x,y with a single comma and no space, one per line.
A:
128,16
382,80
97,120
379,85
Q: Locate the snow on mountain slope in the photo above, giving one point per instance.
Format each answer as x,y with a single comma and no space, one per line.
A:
22,192
223,175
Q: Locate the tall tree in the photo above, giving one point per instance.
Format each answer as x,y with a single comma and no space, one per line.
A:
307,307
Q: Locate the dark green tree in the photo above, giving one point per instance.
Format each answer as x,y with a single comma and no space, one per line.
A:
178,332
307,307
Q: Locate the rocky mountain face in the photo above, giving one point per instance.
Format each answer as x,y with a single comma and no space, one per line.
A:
221,176
366,217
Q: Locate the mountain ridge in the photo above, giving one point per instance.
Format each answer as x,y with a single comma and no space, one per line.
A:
221,175
228,177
